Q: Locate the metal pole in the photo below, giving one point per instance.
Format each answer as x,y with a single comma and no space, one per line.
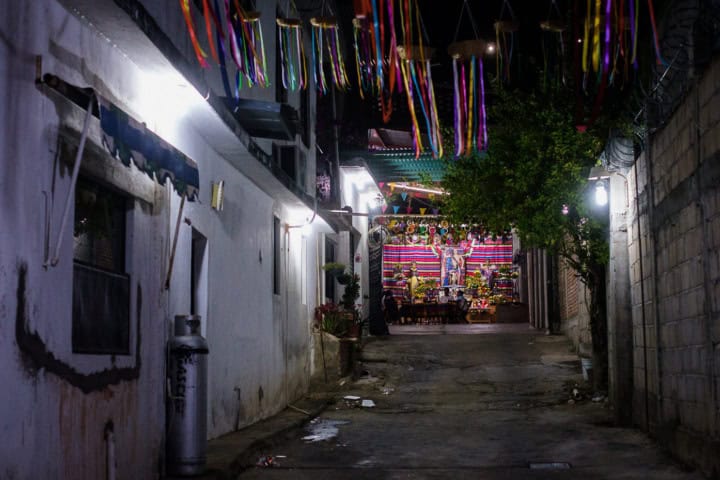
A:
174,246
76,170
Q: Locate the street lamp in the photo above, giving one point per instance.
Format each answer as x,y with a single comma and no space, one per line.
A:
599,175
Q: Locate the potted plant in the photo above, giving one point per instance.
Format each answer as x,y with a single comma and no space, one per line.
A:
347,307
329,318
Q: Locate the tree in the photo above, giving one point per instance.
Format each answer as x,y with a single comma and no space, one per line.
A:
534,170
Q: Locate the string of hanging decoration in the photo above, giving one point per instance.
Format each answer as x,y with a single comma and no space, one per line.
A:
293,62
470,119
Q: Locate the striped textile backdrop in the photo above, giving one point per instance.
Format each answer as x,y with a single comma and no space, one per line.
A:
428,262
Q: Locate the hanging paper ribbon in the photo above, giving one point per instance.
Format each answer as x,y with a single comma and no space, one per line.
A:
247,47
469,96
404,196
423,210
435,211
381,184
293,61
384,207
209,15
396,208
376,59
656,43
416,77
199,53
409,209
326,41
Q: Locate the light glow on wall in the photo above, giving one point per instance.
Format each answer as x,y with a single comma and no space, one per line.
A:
164,101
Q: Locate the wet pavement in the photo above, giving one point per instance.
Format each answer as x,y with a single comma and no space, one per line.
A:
476,401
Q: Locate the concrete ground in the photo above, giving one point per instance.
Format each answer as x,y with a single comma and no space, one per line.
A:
459,401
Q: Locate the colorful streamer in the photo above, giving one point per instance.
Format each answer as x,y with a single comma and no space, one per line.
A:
469,98
293,62
199,53
326,41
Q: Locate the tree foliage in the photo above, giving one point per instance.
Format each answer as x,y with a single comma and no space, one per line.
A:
537,162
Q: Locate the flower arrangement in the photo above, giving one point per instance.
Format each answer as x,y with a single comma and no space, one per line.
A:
331,319
497,299
476,281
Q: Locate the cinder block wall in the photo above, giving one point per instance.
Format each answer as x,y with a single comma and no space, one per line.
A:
674,235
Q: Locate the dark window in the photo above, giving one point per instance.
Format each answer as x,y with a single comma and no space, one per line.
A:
287,162
276,255
329,278
101,287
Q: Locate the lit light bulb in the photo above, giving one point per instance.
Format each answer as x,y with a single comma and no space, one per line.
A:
601,196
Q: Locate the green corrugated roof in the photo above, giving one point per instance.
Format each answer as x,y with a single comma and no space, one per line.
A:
396,165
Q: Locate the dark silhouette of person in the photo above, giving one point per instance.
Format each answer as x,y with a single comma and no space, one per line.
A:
389,305
463,306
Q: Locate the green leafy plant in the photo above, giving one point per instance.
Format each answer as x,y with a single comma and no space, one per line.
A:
351,283
537,162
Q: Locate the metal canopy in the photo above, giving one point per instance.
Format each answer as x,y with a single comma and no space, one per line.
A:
390,157
396,165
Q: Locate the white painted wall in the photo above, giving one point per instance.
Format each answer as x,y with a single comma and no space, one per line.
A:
358,189
259,342
51,429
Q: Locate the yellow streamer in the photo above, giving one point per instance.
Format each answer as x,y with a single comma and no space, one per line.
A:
596,37
411,108
586,40
470,108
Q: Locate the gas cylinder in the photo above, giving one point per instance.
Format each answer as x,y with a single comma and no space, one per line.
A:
187,410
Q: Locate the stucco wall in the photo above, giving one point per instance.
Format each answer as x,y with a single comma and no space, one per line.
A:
55,405
679,205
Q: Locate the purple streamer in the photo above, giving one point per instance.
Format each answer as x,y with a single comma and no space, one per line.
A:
608,12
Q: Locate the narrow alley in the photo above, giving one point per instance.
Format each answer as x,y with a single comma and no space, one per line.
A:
492,403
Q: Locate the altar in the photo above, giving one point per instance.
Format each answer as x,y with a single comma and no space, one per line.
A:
423,262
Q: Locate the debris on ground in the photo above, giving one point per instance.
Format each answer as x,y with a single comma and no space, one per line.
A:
352,401
387,390
367,403
266,461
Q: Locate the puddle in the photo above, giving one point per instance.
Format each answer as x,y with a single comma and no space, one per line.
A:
321,429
